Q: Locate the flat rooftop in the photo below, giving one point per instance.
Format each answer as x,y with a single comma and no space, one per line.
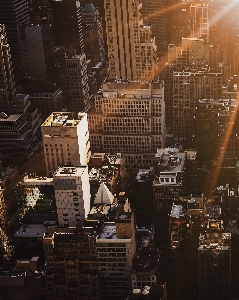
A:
171,160
143,175
50,231
102,209
37,181
177,211
108,231
59,119
225,245
9,118
69,171
31,231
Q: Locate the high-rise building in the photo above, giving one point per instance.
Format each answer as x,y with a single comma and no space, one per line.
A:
132,51
19,124
18,132
188,88
72,193
129,118
154,14
32,51
7,83
91,19
77,79
71,263
45,96
14,13
169,183
116,246
146,261
66,141
216,138
67,24
178,219
41,58
193,52
214,260
200,21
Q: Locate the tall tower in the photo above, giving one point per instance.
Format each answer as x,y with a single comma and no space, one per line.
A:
92,19
132,51
7,83
188,88
118,240
14,13
68,24
214,259
65,140
153,13
200,21
18,124
77,78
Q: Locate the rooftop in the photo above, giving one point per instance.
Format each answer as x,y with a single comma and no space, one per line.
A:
224,245
108,231
103,174
177,211
102,209
191,154
50,231
69,171
124,215
31,231
172,160
70,119
36,181
143,175
171,163
9,118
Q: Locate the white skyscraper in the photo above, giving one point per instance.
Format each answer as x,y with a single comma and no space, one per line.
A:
72,193
66,141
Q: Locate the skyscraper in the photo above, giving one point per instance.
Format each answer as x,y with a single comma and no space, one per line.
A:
14,13
188,87
200,21
116,246
154,14
214,259
132,51
71,263
7,83
129,118
91,19
77,79
18,125
67,24
72,193
65,140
